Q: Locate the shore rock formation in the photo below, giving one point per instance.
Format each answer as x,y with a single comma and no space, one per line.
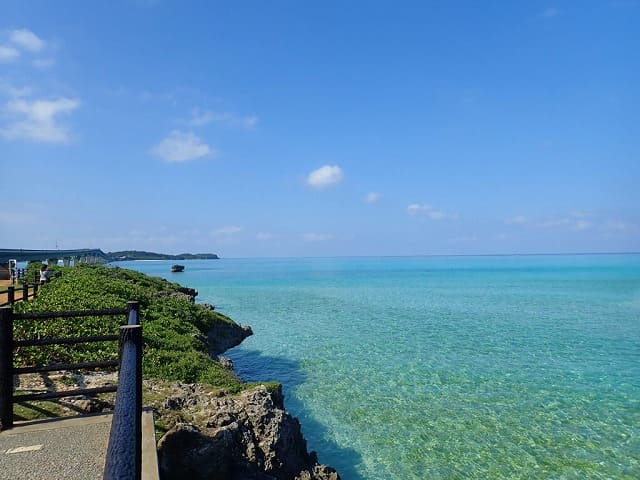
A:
248,436
224,336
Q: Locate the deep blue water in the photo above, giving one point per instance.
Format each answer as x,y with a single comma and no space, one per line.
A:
444,367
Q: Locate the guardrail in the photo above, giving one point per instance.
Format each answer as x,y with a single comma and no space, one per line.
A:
28,291
124,453
8,344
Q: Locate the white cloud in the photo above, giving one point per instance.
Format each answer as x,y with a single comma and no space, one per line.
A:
619,229
372,197
37,119
582,224
325,177
10,90
517,220
181,146
199,117
202,117
26,40
266,236
317,237
8,54
226,231
43,63
566,222
428,211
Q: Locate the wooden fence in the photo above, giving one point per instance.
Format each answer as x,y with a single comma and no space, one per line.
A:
8,344
28,291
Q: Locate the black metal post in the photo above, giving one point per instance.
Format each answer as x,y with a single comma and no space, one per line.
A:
11,294
6,368
124,454
35,290
133,313
25,292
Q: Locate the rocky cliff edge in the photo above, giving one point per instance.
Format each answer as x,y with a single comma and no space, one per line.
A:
247,436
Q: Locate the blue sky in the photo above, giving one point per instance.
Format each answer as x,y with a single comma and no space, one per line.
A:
321,128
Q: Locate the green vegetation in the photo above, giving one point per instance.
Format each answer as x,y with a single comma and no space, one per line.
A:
174,327
140,255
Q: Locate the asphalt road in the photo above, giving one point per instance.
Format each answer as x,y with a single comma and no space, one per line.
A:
69,449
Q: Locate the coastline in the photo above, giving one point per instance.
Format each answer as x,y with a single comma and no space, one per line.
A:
203,411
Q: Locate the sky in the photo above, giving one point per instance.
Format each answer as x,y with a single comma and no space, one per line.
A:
321,128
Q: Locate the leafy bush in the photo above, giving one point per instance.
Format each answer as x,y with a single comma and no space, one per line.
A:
174,328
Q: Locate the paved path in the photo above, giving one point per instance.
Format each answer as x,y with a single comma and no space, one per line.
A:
66,449
70,449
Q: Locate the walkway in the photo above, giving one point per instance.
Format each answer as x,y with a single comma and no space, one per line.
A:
67,449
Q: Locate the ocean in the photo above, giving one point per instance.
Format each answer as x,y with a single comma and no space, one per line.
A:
457,367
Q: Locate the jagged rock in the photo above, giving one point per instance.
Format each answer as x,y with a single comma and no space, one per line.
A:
224,336
248,436
226,362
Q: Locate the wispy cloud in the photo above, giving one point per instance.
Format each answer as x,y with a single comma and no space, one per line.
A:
619,229
566,222
227,231
43,63
22,41
26,40
517,220
325,177
266,236
8,54
317,237
372,197
181,147
202,117
38,119
428,211
10,90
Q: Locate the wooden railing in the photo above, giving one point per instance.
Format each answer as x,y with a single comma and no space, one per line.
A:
8,344
28,291
124,452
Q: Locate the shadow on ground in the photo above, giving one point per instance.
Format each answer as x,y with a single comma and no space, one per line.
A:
247,362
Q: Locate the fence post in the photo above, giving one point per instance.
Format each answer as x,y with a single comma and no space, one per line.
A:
35,290
124,453
6,368
25,292
11,294
133,313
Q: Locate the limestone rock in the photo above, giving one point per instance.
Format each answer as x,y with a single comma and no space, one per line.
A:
224,336
248,436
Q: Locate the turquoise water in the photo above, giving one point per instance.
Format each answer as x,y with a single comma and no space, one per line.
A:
444,367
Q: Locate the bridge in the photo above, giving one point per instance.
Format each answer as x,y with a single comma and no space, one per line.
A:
89,255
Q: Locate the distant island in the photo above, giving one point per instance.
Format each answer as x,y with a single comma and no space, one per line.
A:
140,255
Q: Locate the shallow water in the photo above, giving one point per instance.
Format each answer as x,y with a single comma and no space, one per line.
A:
444,367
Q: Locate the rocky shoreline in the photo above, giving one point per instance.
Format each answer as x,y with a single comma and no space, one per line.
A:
207,434
248,436
244,436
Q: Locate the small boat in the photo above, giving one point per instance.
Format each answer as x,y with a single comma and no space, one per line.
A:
177,268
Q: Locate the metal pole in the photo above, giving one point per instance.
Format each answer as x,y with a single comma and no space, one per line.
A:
11,294
133,313
124,453
6,368
25,292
